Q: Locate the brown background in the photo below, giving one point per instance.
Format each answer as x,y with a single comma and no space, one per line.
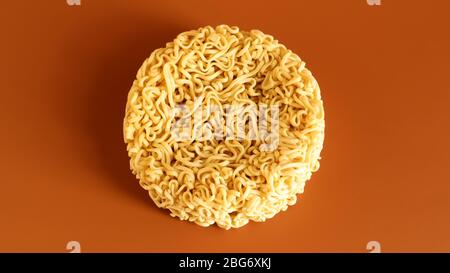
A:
65,73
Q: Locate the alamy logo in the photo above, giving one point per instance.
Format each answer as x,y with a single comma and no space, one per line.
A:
237,121
73,247
374,2
73,2
373,247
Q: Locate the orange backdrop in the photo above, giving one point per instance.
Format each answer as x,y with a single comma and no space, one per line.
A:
383,70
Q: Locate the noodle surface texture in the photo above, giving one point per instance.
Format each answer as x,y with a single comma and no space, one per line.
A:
214,180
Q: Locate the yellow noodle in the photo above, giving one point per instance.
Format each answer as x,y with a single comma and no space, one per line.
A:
211,180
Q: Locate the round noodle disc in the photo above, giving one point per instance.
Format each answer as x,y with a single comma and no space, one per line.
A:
226,181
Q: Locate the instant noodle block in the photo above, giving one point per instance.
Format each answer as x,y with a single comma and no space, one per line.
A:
212,81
